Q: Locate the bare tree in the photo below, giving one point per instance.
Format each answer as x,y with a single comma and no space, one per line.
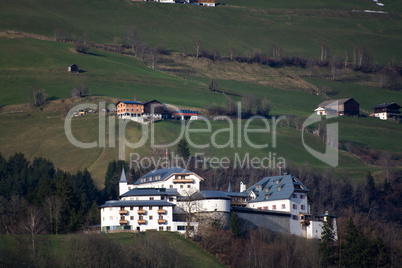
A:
248,104
132,39
38,96
153,57
184,51
325,53
383,78
213,86
346,59
52,207
60,35
75,93
264,107
232,53
116,43
276,52
216,55
197,47
189,204
142,51
333,66
33,225
231,106
310,66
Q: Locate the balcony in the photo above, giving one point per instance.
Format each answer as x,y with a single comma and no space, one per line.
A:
122,221
305,221
141,221
161,221
141,211
183,180
123,212
161,211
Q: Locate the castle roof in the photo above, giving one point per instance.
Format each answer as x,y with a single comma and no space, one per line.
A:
276,188
161,174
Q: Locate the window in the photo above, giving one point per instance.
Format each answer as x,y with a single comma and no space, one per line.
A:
168,228
274,207
181,186
302,207
141,208
294,206
160,207
266,196
150,207
151,198
301,196
131,218
111,218
150,217
294,195
279,188
295,217
131,208
189,186
160,217
103,218
283,206
141,217
171,199
110,208
170,186
181,228
160,228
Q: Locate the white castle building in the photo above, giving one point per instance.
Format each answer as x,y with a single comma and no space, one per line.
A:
170,200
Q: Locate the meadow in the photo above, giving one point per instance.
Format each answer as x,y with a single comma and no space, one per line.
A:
177,26
240,24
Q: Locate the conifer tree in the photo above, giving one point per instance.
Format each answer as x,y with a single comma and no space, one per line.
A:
327,244
183,149
234,225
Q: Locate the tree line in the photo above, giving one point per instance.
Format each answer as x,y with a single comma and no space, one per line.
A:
43,199
359,58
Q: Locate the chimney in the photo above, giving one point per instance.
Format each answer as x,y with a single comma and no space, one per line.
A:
242,186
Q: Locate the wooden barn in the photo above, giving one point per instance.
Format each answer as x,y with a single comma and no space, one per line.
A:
347,106
73,68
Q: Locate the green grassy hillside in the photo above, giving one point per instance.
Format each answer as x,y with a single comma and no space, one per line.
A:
256,25
42,134
140,249
27,62
300,28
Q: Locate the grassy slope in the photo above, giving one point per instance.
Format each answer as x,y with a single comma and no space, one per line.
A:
175,26
42,134
25,62
58,246
367,96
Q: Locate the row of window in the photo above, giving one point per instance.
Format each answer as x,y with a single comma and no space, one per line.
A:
139,208
140,217
302,207
283,206
302,196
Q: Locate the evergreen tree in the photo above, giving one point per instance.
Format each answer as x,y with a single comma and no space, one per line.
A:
234,225
327,244
112,178
183,149
357,250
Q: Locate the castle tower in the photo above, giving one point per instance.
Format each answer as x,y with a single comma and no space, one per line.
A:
123,187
